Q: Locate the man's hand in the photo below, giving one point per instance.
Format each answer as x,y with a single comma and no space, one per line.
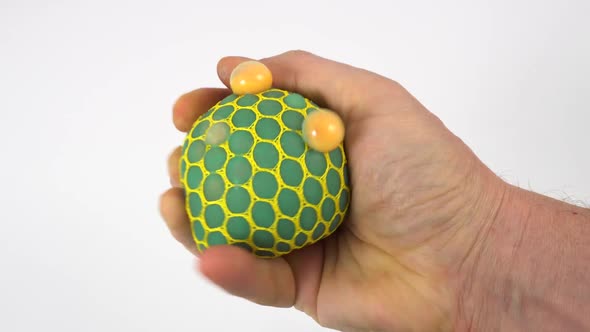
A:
409,256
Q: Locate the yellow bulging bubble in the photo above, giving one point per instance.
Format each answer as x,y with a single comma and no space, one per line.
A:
250,77
323,130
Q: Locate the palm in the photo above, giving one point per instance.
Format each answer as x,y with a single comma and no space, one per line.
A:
387,230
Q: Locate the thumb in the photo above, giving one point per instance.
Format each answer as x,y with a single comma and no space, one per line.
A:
267,282
350,91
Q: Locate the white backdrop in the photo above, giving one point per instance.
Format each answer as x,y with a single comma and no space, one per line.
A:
86,89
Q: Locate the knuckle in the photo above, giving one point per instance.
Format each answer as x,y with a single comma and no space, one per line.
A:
174,156
388,86
298,53
165,199
165,196
177,232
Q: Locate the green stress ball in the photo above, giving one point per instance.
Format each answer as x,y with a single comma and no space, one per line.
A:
264,170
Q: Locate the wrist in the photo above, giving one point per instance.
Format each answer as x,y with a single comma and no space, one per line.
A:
529,269
485,272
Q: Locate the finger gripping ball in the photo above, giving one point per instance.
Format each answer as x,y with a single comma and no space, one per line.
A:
252,181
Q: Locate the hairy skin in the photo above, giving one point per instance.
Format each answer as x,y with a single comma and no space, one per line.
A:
426,234
532,271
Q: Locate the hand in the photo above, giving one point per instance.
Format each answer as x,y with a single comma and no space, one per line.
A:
420,201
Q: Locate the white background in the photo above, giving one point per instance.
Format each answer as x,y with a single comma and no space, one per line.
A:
86,90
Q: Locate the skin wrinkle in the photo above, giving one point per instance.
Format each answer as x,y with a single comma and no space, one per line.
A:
348,239
306,306
334,243
344,250
509,287
383,175
462,219
453,230
443,227
423,292
389,196
358,267
475,254
457,228
533,299
470,323
370,275
440,199
519,242
295,286
482,235
276,283
321,277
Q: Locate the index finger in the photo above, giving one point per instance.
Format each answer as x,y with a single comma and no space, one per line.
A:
348,90
191,105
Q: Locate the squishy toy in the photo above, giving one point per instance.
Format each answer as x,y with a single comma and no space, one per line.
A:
264,169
